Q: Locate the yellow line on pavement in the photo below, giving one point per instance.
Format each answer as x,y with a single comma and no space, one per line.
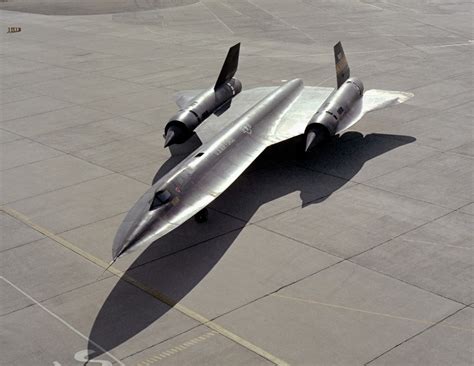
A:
368,312
149,290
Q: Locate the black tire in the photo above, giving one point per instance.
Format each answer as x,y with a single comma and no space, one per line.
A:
201,216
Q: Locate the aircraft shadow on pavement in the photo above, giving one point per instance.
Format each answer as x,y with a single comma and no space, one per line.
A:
124,314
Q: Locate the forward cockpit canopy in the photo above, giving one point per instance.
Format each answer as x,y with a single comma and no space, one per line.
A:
160,198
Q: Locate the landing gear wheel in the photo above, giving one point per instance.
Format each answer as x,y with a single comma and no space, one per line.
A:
202,216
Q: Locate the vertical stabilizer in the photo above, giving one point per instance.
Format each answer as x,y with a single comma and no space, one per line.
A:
230,66
342,67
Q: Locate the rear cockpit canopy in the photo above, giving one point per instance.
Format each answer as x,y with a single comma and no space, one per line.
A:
160,198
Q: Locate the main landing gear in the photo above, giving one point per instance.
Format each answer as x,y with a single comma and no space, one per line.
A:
201,216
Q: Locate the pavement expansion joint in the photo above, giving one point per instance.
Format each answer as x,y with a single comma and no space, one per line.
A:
438,323
61,320
147,289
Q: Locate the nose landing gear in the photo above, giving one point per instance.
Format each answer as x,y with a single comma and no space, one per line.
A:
201,216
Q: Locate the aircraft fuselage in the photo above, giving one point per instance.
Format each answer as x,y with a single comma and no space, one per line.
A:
205,173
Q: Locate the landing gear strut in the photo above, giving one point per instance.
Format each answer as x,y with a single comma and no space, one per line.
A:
202,216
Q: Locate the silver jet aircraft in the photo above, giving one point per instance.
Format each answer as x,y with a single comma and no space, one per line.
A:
231,142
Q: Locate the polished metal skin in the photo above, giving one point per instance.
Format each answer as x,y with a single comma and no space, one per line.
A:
206,173
231,142
215,100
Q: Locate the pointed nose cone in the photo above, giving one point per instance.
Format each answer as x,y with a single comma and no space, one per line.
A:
124,240
132,227
141,226
129,237
310,140
170,137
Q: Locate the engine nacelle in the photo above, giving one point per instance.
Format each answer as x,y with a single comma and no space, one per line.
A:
332,112
216,100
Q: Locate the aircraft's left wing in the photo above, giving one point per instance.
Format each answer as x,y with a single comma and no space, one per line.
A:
372,100
295,120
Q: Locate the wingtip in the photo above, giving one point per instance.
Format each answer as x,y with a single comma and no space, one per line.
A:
404,96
